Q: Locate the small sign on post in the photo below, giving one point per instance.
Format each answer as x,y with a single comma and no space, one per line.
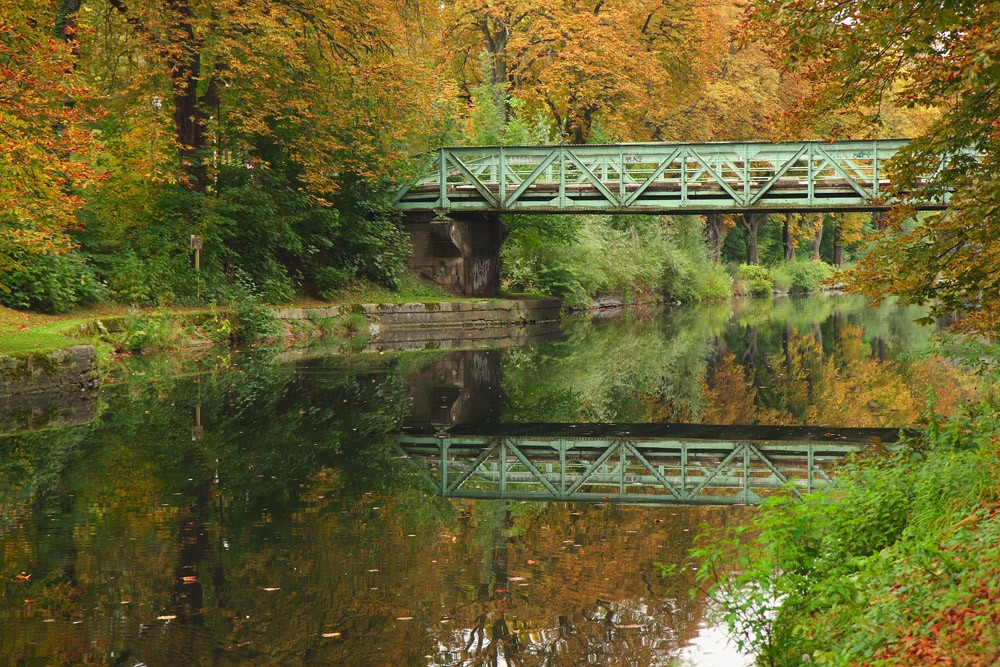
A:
196,246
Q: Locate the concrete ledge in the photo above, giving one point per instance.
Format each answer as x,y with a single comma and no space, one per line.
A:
412,339
436,314
73,367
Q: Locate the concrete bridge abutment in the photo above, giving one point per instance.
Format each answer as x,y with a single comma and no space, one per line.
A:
459,251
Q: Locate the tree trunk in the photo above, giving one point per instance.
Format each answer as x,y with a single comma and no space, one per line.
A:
838,248
816,240
714,235
189,112
751,223
496,46
786,236
66,23
878,220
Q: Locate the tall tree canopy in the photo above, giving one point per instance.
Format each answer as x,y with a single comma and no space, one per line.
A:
45,140
629,64
866,54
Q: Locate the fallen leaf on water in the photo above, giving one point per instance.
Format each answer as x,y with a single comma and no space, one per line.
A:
331,634
168,617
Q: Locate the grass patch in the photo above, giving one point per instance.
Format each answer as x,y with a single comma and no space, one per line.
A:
33,340
412,288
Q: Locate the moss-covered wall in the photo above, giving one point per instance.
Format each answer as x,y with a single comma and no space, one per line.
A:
73,367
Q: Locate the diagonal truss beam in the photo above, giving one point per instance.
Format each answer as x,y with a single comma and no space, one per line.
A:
770,466
656,473
593,468
479,185
526,183
652,177
841,172
710,476
532,469
589,175
721,181
485,454
777,175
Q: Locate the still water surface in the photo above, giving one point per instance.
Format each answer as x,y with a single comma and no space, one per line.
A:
237,509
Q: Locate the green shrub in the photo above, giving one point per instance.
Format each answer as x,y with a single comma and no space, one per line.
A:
755,279
144,332
781,278
617,254
801,275
51,283
252,321
854,566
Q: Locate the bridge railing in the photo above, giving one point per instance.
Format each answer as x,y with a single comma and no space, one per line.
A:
657,178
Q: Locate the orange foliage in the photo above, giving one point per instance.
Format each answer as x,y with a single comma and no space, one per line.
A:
45,142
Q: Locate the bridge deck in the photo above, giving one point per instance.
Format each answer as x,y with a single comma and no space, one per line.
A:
657,178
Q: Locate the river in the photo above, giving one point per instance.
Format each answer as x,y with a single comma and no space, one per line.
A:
232,507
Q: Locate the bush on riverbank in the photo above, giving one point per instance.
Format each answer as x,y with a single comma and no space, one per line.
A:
800,275
896,565
753,280
630,255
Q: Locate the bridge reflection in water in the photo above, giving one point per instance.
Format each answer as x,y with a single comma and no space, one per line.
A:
659,464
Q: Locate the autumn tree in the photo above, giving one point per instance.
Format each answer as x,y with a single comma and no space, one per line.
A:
46,146
338,83
626,64
859,53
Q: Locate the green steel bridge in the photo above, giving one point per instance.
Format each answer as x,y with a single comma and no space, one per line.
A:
657,178
659,464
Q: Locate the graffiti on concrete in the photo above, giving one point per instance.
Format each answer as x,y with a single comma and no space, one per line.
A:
479,275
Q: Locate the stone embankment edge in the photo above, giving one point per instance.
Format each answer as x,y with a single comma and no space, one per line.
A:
68,368
438,314
75,367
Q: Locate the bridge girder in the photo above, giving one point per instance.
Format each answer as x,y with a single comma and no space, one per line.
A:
669,472
657,178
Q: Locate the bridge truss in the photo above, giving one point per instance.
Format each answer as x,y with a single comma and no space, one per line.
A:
657,178
668,472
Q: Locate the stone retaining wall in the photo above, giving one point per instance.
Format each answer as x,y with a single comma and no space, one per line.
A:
439,313
73,367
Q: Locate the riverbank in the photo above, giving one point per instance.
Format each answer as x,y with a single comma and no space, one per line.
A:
899,564
41,353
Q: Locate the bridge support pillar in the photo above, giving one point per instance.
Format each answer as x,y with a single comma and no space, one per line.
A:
460,251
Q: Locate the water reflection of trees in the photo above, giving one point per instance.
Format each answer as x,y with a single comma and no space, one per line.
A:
291,516
782,361
290,519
